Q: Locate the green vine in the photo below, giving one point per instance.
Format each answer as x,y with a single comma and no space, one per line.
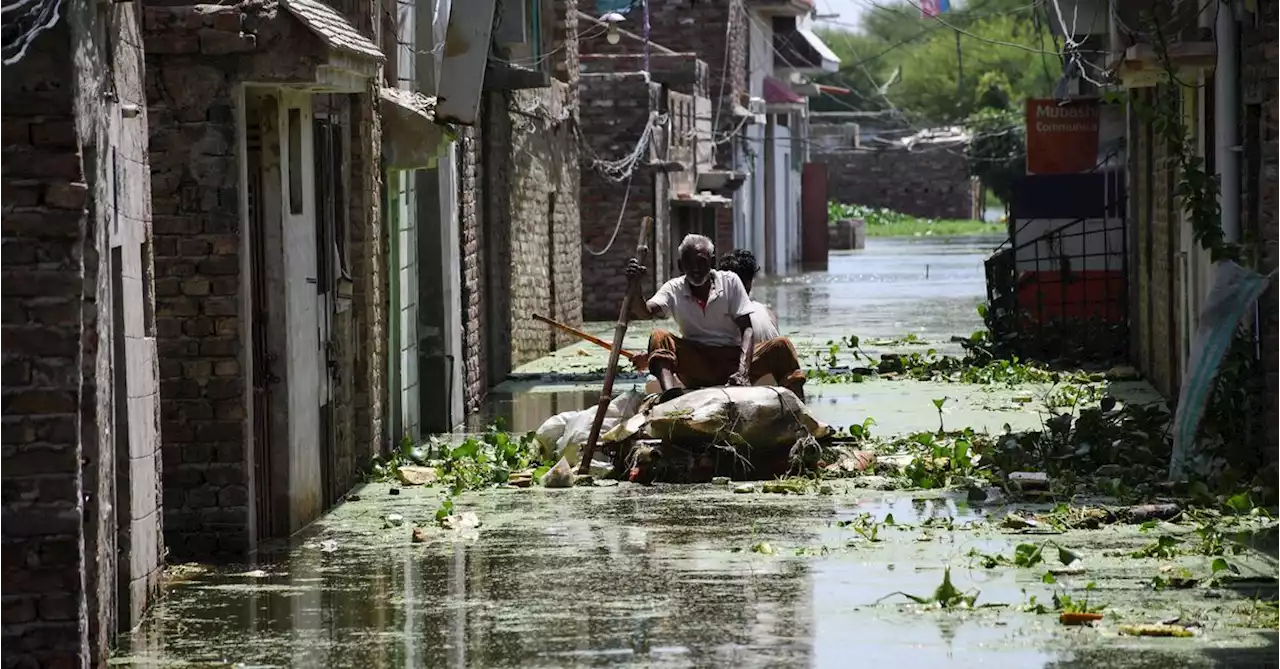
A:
1234,416
1197,190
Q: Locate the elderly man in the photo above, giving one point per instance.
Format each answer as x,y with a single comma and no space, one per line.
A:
717,344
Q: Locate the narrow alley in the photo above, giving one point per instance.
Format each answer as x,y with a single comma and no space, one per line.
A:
644,333
712,575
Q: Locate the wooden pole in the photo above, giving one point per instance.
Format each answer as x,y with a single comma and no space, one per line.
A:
615,351
582,335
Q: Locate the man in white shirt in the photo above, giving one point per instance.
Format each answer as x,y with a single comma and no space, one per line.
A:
717,344
764,323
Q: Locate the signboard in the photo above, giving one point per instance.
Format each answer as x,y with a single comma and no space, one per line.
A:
1062,138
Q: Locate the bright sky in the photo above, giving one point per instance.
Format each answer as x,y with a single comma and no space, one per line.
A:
850,11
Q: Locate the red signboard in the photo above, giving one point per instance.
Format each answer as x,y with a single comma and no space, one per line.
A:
1062,138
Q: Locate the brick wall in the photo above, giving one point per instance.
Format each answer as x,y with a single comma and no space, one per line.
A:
1258,94
81,522
932,183
614,112
532,231
368,338
1155,245
196,56
475,383
196,201
715,30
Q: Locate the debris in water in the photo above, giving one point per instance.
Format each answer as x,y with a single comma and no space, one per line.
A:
720,480
1147,512
419,535
256,573
392,520
353,497
415,475
394,491
1030,480
1078,618
328,546
461,522
1156,630
854,461
744,488
785,487
1016,522
559,476
764,548
584,480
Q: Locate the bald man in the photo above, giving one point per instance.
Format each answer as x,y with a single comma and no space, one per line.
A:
717,344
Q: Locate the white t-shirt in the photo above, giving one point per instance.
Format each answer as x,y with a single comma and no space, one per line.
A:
713,325
764,325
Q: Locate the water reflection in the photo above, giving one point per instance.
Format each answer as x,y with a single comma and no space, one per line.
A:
927,286
589,577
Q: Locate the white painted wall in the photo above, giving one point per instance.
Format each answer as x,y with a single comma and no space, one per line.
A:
450,238
783,203
302,360
1105,247
755,139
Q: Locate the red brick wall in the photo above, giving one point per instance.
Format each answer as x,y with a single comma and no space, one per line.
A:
1258,89
715,30
475,383
43,284
1155,250
614,112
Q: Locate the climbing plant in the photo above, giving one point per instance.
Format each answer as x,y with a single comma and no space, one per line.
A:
1236,409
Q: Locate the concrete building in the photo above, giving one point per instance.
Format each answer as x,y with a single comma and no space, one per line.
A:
81,522
783,50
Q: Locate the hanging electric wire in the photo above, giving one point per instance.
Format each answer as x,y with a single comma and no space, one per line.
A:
24,21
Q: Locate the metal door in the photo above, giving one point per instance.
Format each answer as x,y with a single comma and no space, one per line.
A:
269,519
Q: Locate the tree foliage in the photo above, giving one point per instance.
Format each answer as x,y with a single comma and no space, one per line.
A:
906,66
933,88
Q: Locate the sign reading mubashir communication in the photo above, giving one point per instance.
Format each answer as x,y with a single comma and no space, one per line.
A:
1062,138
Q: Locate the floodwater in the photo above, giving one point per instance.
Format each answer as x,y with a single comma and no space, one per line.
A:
924,286
662,576
679,576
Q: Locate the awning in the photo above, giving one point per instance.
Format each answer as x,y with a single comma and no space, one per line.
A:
802,50
776,92
352,58
411,138
701,200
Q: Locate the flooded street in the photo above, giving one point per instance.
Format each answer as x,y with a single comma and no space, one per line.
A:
927,287
703,575
923,286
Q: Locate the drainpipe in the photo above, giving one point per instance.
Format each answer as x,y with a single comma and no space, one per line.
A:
1226,96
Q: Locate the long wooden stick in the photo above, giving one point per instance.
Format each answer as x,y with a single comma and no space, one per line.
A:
582,335
615,351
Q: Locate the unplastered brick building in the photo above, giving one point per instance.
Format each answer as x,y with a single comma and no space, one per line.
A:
518,196
82,548
265,151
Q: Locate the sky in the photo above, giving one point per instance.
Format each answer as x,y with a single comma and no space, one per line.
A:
850,11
